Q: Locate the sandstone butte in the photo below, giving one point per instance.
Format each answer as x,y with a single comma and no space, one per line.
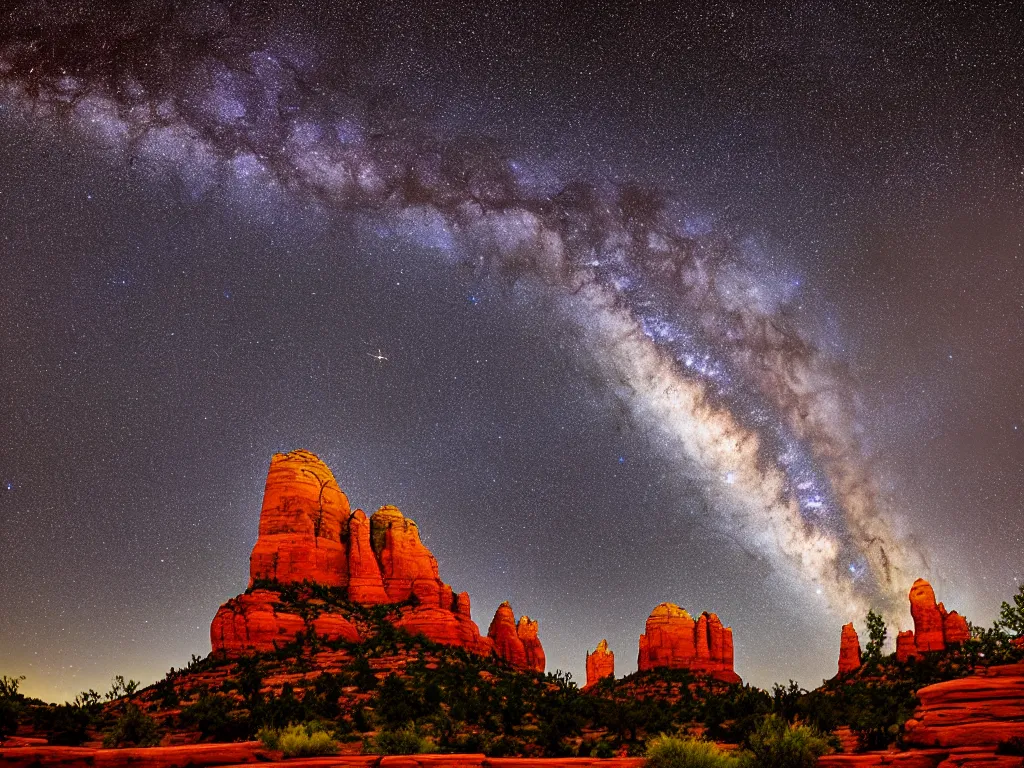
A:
935,629
600,664
849,650
308,532
673,640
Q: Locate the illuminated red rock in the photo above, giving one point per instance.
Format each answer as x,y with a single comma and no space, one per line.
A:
365,585
849,650
404,562
506,640
935,628
600,664
905,646
301,523
308,533
527,630
955,629
331,626
250,623
673,640
976,711
927,617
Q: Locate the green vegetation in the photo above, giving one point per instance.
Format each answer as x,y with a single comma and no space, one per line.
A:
11,706
133,729
877,634
404,741
684,752
776,743
311,739
416,695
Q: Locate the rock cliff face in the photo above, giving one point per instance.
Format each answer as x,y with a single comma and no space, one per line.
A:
308,532
600,664
673,640
849,650
935,629
301,523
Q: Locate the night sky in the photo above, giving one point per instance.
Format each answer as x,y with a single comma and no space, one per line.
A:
722,307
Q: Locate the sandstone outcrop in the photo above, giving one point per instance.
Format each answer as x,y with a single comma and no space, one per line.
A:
935,629
600,664
308,532
253,622
976,711
527,630
905,647
502,632
673,640
849,650
301,523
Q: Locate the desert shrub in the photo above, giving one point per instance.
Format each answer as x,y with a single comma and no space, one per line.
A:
133,728
681,752
404,741
309,740
269,737
10,705
601,749
212,715
777,744
64,724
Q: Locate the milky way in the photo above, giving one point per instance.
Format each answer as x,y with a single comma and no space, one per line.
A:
702,344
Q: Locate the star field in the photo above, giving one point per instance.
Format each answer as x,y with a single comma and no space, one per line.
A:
723,307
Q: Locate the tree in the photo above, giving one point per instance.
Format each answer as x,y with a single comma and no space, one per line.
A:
877,634
1011,617
10,706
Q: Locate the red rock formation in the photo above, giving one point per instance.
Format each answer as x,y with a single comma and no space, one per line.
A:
307,533
527,631
934,628
600,664
506,640
927,617
404,562
905,647
673,640
954,629
300,523
849,650
249,623
976,711
365,585
331,626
